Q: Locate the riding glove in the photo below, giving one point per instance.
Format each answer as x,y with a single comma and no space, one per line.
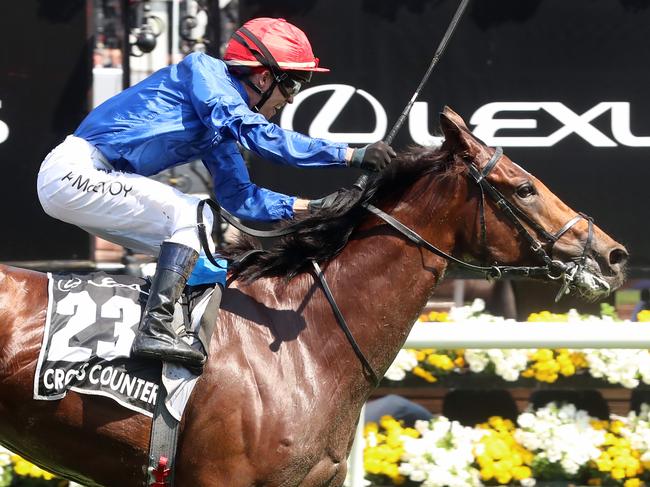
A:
324,202
373,157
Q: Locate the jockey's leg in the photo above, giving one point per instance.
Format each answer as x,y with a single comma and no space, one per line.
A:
78,186
156,337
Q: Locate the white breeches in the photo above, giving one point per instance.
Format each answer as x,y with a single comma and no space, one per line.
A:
78,186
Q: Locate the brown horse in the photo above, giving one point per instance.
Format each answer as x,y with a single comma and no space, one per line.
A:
279,399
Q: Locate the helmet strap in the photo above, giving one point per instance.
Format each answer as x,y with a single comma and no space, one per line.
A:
265,95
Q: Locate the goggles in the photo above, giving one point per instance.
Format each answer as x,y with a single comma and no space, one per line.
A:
289,86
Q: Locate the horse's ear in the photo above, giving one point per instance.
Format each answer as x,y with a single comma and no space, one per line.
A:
452,115
458,137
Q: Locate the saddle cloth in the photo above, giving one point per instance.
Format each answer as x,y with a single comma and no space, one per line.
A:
91,324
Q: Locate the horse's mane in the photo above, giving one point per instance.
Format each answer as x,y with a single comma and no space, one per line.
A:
320,236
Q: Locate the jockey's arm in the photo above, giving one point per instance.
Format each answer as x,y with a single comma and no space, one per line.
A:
223,109
234,190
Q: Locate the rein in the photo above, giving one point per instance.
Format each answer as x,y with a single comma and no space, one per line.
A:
551,269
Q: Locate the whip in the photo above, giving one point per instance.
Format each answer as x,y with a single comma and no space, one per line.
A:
436,57
363,179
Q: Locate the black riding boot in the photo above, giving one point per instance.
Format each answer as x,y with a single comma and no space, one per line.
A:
156,337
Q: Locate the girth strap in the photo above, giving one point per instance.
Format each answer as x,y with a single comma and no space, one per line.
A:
162,443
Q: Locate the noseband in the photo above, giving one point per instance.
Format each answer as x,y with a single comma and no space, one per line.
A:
551,268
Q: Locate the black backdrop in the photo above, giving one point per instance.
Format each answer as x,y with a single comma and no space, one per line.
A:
45,77
578,54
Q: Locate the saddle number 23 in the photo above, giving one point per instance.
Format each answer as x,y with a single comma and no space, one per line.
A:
83,312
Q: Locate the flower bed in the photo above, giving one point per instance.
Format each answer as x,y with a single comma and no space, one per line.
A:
556,443
627,368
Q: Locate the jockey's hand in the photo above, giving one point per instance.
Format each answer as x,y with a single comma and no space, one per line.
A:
324,202
373,157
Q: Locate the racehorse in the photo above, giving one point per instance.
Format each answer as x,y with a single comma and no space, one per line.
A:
281,393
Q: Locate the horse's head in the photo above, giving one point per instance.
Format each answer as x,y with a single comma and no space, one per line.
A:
513,219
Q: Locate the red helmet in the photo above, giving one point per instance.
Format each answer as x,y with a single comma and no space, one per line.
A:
287,45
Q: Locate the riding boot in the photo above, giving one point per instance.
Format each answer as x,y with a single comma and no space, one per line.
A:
156,337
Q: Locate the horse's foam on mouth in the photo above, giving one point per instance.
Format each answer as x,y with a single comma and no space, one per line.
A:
591,285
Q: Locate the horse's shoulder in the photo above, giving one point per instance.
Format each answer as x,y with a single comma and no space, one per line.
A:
269,290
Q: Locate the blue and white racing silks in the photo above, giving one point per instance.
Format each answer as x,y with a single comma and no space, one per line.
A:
196,110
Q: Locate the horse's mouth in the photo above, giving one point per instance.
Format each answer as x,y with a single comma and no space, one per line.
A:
591,284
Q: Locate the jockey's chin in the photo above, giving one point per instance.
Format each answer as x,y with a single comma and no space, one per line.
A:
269,111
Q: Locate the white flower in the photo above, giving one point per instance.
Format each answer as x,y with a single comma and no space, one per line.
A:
442,456
526,420
477,306
619,366
405,361
477,360
562,435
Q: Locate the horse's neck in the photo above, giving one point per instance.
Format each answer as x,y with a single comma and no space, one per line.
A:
389,279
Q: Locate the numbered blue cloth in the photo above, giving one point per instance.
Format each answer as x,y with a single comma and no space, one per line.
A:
205,272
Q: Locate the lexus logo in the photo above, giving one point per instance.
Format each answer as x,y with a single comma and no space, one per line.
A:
320,125
487,124
490,120
4,129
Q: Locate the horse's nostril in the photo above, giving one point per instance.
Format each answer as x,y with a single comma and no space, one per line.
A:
618,256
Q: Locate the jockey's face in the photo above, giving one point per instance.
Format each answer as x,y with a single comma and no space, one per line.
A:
276,101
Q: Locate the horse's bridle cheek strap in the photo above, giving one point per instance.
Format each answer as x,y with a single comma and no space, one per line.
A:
517,217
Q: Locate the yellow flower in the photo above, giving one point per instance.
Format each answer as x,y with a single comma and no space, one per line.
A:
632,483
487,472
503,477
604,462
499,457
497,449
24,468
579,360
441,361
528,373
547,316
643,316
543,354
521,472
435,316
370,427
599,424
411,432
616,426
425,374
385,447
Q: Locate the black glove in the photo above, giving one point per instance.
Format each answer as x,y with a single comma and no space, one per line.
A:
373,157
324,202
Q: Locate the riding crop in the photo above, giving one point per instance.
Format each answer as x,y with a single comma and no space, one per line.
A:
436,57
363,179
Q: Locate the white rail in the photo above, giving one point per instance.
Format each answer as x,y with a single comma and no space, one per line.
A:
475,334
482,335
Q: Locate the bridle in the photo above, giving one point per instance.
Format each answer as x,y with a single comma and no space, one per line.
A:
551,268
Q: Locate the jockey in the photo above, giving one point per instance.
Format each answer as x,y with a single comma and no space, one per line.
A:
200,108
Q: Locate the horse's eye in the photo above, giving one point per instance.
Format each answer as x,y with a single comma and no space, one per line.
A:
526,190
